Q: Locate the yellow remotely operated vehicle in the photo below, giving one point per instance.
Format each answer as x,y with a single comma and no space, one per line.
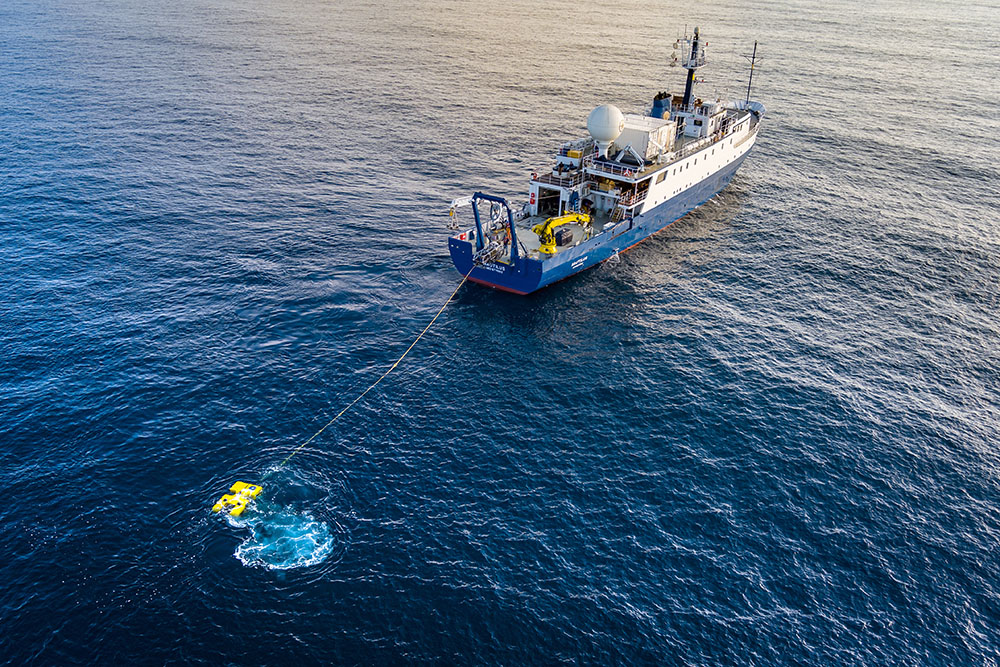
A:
545,230
240,495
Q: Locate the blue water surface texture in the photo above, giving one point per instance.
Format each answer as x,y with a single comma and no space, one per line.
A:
767,435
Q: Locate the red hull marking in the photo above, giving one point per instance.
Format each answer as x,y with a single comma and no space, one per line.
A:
499,287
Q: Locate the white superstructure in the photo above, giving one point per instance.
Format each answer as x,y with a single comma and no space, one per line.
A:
651,160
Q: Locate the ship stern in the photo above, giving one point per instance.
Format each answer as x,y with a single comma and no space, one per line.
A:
520,276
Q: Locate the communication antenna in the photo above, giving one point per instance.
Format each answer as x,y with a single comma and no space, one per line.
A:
753,60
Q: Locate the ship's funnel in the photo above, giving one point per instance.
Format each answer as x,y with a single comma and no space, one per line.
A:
605,123
661,106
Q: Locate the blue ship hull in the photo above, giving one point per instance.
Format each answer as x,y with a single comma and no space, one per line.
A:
527,275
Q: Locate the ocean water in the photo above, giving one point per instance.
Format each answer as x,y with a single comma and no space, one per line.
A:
767,435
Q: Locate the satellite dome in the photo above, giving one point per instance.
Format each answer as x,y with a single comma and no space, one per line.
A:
605,123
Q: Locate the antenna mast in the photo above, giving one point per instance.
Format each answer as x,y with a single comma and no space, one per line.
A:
753,59
693,59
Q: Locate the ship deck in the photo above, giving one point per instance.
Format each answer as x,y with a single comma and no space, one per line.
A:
530,242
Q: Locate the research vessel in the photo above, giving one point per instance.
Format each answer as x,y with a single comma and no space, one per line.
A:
632,177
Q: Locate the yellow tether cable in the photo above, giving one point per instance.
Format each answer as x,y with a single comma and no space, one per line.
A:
374,384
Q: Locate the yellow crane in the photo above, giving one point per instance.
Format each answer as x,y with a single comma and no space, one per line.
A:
545,230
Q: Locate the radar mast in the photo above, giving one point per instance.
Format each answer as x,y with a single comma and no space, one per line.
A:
693,58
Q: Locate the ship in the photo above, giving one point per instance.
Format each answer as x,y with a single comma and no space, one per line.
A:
632,177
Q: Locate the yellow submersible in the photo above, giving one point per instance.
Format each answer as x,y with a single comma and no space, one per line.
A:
236,501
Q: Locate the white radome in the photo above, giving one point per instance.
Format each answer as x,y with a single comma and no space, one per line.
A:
605,123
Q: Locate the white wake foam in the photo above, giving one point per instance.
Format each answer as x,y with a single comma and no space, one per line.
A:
282,540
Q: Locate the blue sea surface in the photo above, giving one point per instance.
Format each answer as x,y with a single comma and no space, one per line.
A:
766,435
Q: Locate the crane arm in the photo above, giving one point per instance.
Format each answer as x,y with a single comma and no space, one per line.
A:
545,229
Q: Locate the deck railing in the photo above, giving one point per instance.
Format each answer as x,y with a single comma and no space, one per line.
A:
618,170
752,132
570,180
628,200
690,149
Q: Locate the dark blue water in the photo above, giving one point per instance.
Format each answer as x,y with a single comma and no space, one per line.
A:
767,435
